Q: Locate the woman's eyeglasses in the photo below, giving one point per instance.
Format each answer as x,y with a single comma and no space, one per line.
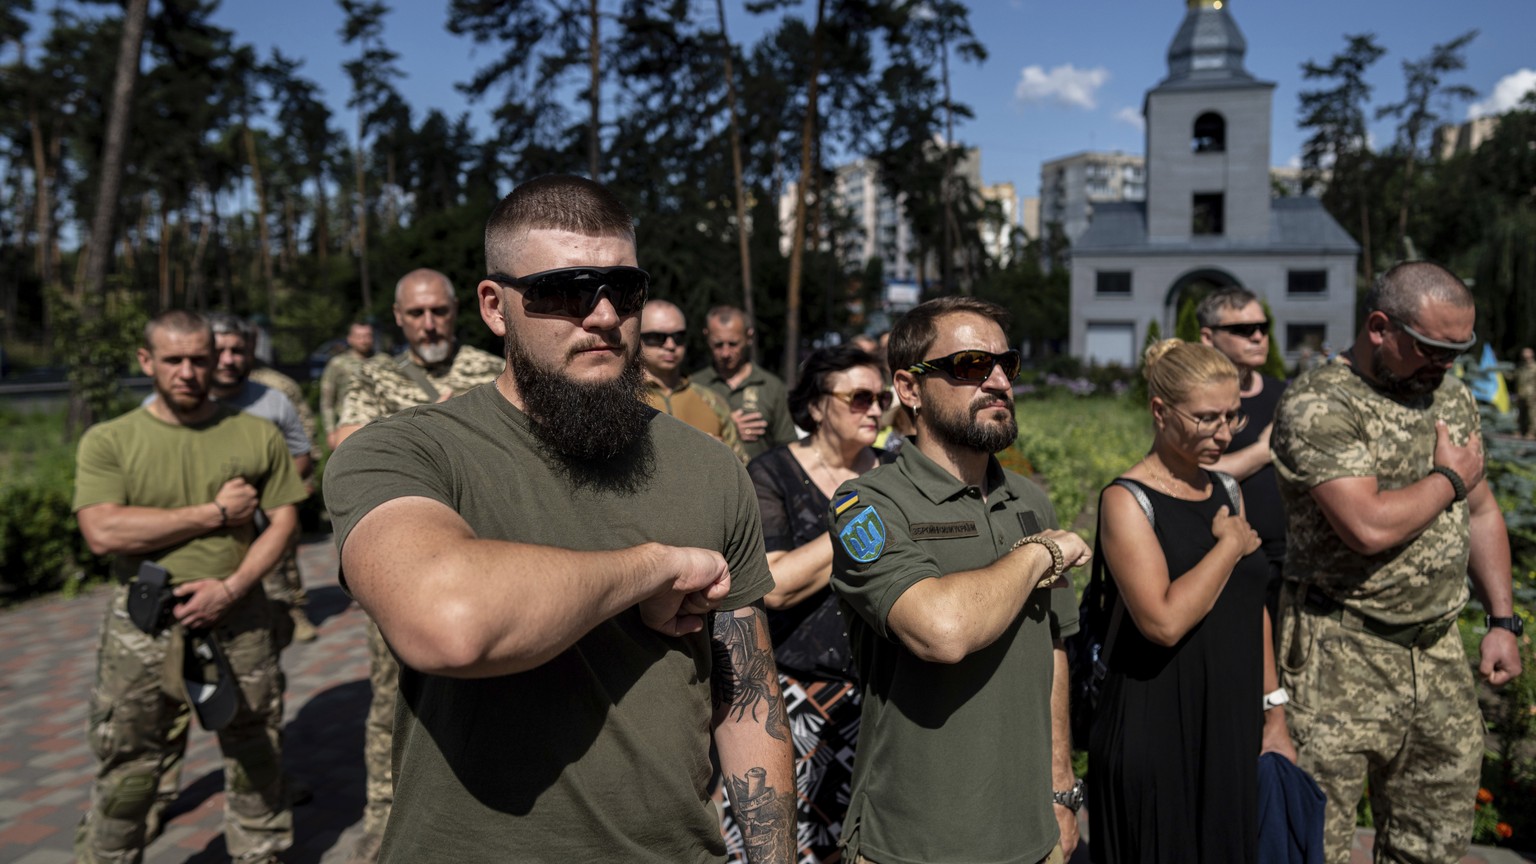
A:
1235,421
974,366
859,401
657,340
573,292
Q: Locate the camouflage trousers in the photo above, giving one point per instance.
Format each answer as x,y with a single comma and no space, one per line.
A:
1404,719
138,725
285,588
378,733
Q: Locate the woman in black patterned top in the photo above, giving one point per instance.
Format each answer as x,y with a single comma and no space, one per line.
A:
838,399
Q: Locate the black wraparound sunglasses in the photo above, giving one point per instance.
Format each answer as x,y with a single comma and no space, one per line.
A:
573,292
655,339
1245,329
970,365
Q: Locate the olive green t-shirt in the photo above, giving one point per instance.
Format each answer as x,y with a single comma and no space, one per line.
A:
1332,423
763,392
954,760
601,754
142,461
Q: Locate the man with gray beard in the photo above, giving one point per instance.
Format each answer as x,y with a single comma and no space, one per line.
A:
432,368
571,583
952,567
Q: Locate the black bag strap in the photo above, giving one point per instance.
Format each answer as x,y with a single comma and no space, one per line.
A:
1099,569
417,375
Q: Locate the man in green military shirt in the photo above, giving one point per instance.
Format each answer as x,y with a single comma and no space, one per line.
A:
759,402
573,586
663,345
953,569
1380,464
179,482
433,368
336,380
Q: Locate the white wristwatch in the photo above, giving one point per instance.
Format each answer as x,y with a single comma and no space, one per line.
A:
1276,698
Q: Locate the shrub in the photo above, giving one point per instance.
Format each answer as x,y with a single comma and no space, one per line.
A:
1077,445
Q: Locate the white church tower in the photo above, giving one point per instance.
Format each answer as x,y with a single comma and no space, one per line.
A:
1210,218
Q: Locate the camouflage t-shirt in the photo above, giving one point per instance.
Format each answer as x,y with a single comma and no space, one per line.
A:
335,383
382,386
1332,423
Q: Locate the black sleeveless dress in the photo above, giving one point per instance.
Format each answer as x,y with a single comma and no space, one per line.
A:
1174,754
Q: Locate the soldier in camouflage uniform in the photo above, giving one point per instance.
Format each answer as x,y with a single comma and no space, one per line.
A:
432,369
1525,392
1381,470
340,371
179,482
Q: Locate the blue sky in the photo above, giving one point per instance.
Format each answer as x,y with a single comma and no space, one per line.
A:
1083,66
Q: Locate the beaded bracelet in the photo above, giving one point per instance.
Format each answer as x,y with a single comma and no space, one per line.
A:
1058,561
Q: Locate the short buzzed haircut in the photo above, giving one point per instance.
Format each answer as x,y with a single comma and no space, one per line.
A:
657,303
223,324
425,273
914,335
1233,297
556,202
175,321
1405,287
726,313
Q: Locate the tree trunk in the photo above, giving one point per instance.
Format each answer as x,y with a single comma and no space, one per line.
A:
264,238
594,56
743,246
322,244
44,210
290,228
81,415
808,133
362,217
164,268
947,189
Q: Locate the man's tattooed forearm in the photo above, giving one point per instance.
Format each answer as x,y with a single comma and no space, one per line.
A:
766,816
744,678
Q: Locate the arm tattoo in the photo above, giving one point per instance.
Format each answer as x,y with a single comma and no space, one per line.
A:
745,679
766,815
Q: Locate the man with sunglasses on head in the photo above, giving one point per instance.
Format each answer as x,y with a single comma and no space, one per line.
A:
758,398
571,582
1380,463
952,569
1232,320
432,368
663,345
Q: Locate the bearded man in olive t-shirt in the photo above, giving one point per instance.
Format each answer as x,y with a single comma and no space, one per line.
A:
570,580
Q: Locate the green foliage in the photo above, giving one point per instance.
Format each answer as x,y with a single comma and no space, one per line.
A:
1274,364
1077,445
41,549
1187,327
98,336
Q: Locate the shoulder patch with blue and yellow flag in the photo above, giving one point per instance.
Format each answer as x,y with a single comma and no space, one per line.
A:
864,535
841,505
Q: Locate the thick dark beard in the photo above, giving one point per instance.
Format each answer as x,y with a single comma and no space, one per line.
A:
598,432
961,429
1413,387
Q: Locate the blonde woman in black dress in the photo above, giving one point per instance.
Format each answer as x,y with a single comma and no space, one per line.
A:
1174,753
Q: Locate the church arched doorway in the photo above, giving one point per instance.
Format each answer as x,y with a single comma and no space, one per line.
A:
1187,291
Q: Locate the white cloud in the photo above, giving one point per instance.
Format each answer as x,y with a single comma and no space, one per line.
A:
1065,85
1131,117
1506,94
1294,161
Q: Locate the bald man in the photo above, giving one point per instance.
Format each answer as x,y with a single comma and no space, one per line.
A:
663,347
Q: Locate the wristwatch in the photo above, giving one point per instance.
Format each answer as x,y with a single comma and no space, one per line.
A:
1513,624
1072,799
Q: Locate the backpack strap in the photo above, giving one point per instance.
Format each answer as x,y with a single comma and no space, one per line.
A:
1234,492
1102,665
